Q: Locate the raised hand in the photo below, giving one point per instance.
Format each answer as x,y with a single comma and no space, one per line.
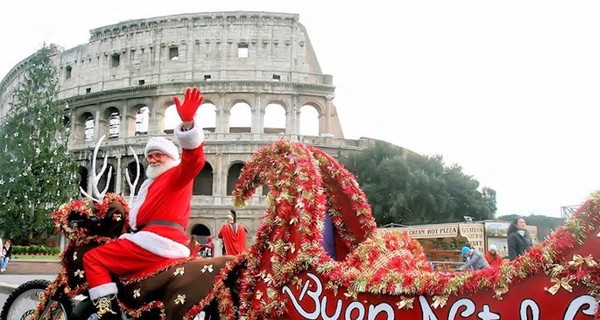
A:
192,100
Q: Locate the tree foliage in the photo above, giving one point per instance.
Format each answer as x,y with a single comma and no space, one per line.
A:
407,188
36,172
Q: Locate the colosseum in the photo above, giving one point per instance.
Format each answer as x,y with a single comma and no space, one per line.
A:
260,77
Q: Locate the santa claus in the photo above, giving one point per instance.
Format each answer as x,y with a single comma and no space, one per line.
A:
160,213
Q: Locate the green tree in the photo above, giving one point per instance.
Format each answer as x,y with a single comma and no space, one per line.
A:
36,172
382,174
404,187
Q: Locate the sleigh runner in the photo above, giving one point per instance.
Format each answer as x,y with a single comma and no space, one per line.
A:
288,274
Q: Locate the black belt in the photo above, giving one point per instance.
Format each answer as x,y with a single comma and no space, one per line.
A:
162,223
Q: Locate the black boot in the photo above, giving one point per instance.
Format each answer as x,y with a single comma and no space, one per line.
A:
107,308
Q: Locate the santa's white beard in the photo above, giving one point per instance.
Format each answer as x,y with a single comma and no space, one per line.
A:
153,172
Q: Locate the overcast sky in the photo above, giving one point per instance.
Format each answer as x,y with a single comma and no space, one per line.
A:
508,90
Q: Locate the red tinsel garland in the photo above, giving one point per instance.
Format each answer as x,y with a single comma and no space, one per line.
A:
304,182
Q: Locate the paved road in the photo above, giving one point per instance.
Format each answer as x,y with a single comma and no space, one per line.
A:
19,272
9,282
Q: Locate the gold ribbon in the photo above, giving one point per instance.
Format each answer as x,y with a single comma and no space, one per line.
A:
564,283
405,303
578,261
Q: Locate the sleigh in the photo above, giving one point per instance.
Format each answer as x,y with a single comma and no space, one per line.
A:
288,274
364,274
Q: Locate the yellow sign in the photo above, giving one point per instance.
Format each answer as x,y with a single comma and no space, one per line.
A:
432,231
474,234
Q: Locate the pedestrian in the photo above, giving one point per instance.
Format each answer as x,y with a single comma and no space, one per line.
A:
159,215
493,257
207,250
464,249
475,259
6,249
519,241
233,235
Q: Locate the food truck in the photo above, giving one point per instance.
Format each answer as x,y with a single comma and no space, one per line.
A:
442,242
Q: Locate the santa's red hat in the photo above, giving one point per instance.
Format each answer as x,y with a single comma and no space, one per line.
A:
163,145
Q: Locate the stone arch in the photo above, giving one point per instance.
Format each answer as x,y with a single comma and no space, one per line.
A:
200,232
140,120
231,101
207,116
309,120
164,104
240,117
275,118
203,183
85,126
171,119
110,123
316,103
233,174
212,98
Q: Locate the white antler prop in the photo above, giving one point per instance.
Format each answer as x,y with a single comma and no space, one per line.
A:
137,176
97,176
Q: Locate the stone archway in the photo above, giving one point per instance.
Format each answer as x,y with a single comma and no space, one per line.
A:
200,232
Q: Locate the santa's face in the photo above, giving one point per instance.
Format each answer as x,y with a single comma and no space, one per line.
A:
158,163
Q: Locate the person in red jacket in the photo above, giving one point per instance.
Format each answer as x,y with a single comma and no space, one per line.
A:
233,235
207,250
159,215
493,257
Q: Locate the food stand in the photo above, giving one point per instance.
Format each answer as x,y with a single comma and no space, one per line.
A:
442,242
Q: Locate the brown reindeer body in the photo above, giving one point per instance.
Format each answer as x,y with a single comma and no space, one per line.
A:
164,291
171,291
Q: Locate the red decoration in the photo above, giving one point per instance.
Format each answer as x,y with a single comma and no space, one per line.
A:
288,275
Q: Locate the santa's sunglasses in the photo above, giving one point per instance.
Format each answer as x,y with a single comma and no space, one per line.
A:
157,156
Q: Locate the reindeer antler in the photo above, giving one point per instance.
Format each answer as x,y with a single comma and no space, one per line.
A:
137,176
97,176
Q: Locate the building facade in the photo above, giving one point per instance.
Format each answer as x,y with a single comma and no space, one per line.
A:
252,67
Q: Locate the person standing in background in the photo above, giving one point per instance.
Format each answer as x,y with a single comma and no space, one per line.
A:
207,250
233,235
6,254
493,257
519,240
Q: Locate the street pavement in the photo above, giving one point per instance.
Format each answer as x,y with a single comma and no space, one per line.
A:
19,272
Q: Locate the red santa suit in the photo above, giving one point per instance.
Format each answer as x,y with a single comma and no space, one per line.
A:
159,215
234,238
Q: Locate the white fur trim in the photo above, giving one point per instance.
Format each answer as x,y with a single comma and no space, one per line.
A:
139,200
103,290
190,139
141,197
164,145
158,245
